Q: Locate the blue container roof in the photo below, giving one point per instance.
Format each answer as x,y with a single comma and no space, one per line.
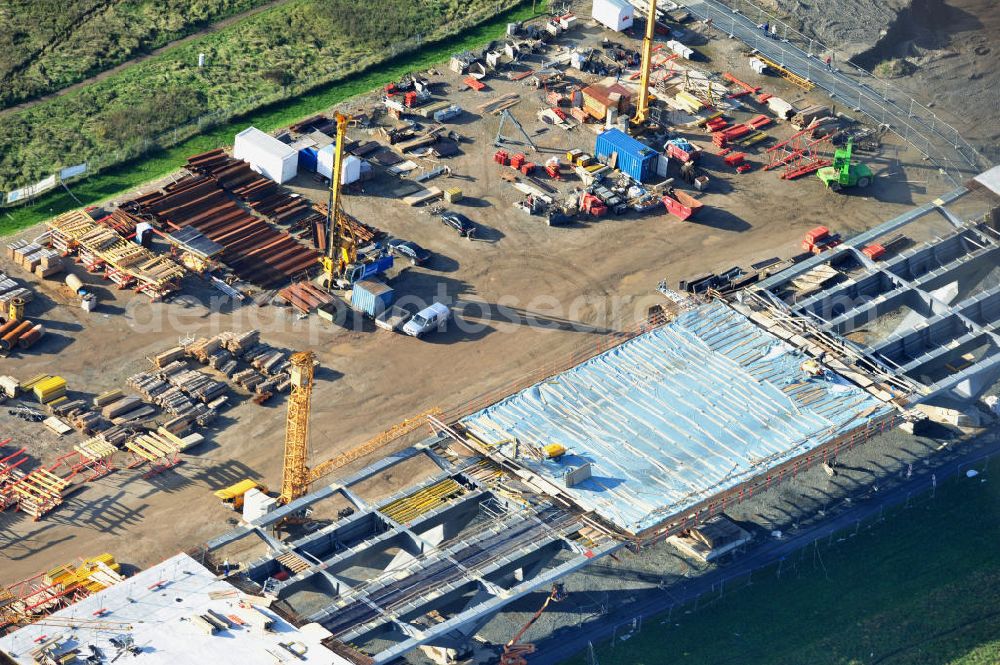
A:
622,140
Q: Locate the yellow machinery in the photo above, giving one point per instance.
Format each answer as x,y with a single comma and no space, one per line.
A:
642,103
16,310
233,495
341,245
295,476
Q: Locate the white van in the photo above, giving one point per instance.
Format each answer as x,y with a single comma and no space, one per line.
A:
427,319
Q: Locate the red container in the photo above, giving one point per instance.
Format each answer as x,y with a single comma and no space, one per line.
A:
517,160
681,205
501,157
409,99
816,234
874,251
527,168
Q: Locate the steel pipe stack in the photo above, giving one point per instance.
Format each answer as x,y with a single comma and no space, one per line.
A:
30,337
8,341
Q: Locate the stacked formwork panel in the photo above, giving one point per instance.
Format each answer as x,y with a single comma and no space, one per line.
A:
100,248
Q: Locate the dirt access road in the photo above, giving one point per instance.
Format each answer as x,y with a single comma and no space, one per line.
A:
524,295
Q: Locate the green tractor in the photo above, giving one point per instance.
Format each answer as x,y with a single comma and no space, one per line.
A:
843,173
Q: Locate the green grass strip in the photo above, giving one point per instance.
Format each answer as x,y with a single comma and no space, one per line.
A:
921,588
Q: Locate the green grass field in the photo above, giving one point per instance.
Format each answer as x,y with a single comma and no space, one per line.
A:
46,45
278,54
128,175
920,588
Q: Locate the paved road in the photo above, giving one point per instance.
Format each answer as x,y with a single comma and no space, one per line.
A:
551,652
854,88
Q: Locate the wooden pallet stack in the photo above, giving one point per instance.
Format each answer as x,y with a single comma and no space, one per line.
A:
39,492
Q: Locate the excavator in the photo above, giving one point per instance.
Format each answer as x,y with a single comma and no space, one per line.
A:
515,653
342,266
844,173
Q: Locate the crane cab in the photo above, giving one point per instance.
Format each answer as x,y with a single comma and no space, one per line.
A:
233,495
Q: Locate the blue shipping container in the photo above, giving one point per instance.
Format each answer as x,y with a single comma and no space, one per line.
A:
371,297
635,159
307,159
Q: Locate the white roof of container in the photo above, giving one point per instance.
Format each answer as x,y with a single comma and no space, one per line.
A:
264,141
158,604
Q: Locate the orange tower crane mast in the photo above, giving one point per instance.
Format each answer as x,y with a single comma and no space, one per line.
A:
295,476
642,104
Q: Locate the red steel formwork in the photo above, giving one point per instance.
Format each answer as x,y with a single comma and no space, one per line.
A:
799,154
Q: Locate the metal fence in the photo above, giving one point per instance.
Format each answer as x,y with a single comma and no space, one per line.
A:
246,105
876,98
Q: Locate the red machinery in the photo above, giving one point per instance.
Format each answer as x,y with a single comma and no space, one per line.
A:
513,652
592,205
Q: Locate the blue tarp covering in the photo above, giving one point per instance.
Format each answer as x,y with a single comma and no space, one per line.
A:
676,415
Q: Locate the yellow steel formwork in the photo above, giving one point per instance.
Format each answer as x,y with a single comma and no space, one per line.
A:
39,492
155,449
424,500
786,73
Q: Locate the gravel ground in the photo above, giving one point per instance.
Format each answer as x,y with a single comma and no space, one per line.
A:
945,53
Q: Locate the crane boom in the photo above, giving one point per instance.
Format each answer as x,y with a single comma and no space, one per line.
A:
295,475
341,245
372,445
642,105
513,652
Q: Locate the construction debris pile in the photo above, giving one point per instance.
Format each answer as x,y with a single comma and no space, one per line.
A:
52,590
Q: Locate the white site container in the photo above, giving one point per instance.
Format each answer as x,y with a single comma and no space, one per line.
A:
350,170
614,14
266,155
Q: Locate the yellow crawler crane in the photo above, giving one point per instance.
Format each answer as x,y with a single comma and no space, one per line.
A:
642,103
